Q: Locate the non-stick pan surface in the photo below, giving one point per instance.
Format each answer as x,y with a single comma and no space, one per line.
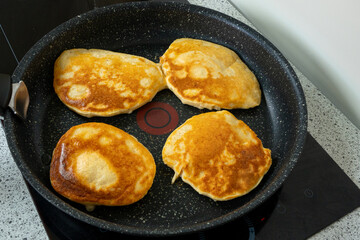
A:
147,29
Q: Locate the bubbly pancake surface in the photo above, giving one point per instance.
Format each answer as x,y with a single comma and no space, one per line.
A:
218,155
208,75
98,164
97,82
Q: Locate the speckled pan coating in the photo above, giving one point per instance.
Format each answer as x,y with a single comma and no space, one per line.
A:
147,29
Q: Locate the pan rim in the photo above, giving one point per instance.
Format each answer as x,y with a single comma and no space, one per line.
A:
281,176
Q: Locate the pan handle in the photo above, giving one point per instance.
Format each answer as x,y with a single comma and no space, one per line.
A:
5,92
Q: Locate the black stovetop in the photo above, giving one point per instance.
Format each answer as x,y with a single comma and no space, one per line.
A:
316,193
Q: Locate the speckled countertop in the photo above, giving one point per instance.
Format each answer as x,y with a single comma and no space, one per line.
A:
332,130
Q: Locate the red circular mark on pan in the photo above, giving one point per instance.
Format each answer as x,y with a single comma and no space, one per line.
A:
157,118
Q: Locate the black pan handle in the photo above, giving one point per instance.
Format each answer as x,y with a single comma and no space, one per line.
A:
5,92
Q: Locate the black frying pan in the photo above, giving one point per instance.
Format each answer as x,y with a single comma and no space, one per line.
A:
147,29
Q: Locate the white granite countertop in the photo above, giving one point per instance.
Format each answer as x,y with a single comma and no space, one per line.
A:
331,129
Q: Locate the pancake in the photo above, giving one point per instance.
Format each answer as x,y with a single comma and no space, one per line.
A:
103,83
217,154
206,75
98,164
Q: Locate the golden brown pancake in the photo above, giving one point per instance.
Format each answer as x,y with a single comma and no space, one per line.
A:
206,75
103,83
98,164
217,154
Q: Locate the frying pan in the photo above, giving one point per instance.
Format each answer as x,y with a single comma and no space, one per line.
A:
146,29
